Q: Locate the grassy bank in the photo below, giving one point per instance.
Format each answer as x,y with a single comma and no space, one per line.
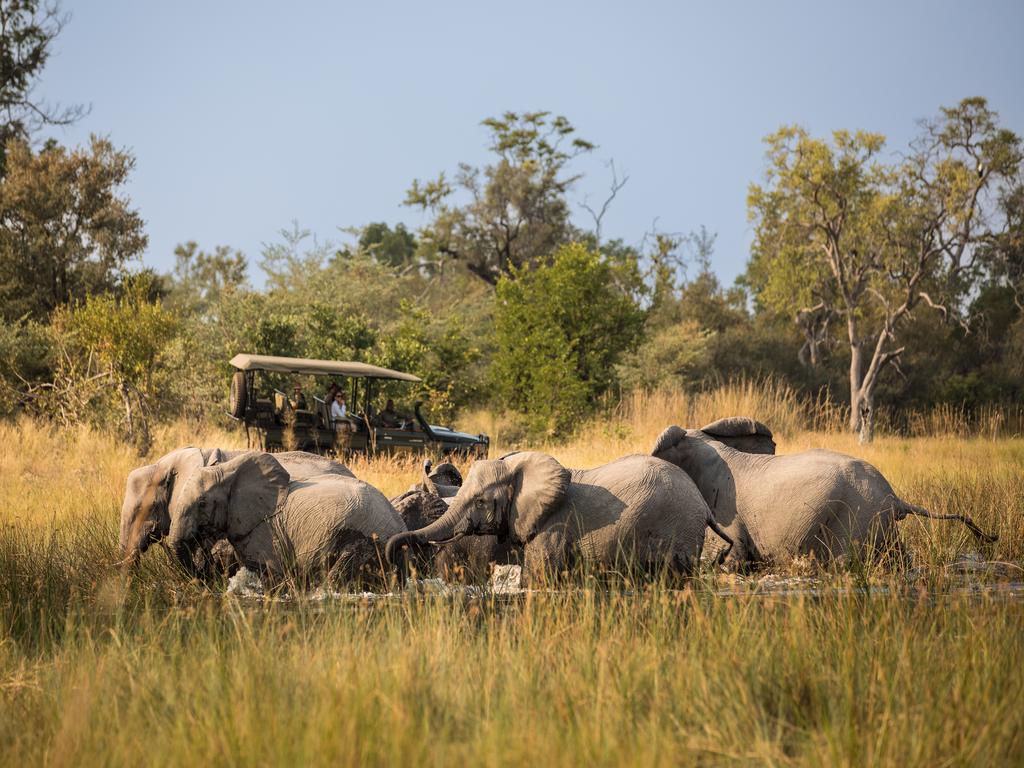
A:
884,668
657,679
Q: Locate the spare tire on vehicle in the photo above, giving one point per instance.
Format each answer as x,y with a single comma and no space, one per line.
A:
239,392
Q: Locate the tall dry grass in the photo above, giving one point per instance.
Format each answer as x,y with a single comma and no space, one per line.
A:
888,669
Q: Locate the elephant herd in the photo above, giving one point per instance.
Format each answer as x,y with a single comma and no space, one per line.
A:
719,492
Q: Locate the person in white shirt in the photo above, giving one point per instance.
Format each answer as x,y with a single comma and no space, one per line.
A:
342,426
338,410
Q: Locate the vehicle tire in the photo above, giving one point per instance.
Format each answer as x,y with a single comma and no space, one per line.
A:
238,395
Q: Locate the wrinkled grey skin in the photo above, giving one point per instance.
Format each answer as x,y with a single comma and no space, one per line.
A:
329,525
468,560
816,502
145,512
637,509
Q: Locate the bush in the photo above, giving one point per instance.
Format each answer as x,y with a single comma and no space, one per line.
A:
560,329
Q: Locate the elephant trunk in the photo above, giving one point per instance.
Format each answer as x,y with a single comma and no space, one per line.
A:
134,543
129,558
184,551
440,530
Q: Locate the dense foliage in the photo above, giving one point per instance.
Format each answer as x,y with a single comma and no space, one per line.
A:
559,331
884,284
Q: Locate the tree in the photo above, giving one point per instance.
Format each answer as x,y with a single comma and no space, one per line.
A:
841,234
117,339
560,329
438,351
27,31
200,279
394,247
65,231
517,213
1004,253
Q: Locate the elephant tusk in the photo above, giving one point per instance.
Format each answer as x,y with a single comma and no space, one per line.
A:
456,537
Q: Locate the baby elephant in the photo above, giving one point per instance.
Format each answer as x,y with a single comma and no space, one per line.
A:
634,511
815,502
468,560
326,525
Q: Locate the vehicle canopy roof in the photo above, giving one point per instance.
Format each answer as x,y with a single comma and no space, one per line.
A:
302,365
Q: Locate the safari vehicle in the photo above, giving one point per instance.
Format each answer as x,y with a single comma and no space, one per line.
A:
272,424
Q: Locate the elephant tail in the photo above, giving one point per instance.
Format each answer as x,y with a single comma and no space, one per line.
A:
714,526
907,508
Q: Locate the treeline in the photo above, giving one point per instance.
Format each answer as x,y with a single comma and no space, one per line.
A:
887,281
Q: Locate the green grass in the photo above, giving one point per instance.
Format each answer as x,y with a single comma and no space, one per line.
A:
581,677
865,667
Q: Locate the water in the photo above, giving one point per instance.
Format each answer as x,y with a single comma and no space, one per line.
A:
970,575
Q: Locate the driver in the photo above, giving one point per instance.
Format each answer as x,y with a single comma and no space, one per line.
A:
297,400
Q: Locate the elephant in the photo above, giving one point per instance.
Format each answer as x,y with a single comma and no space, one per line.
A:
145,516
636,510
325,525
816,502
428,499
468,559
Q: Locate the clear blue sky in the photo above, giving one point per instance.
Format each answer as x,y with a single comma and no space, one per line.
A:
246,115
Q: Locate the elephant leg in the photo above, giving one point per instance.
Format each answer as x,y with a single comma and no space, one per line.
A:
544,562
354,559
739,557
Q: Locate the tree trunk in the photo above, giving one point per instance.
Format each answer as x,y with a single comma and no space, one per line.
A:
862,386
136,423
856,376
129,420
866,433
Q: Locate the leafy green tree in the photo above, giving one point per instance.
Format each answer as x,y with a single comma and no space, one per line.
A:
123,338
26,362
394,247
328,334
1003,255
671,356
27,31
841,234
560,329
439,351
302,271
65,231
200,279
516,213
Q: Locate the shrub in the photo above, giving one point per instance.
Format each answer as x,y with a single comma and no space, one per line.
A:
559,331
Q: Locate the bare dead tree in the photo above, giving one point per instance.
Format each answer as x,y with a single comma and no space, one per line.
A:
598,215
28,29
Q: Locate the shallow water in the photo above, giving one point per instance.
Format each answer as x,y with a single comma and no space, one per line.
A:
969,575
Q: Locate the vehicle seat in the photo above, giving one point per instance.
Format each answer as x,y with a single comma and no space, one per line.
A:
323,412
264,413
304,418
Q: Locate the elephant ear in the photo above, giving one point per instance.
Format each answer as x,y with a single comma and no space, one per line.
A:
540,485
742,433
141,489
668,439
258,486
427,484
214,457
149,491
446,473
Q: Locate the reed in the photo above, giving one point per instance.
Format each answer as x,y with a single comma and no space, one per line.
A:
867,666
